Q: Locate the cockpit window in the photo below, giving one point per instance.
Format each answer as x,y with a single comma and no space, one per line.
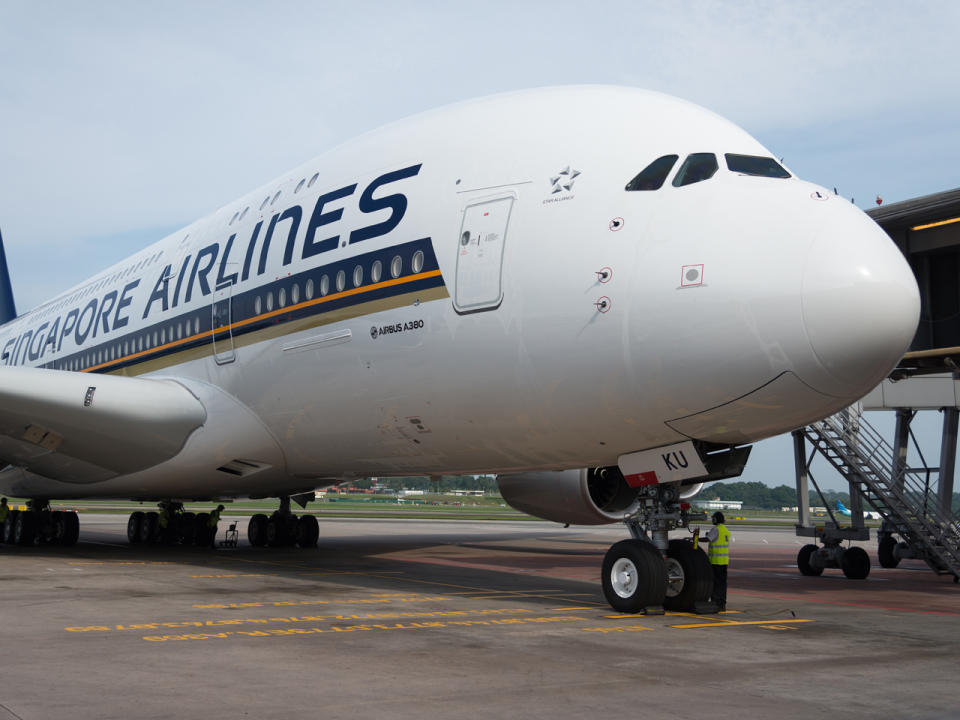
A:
755,165
696,168
653,175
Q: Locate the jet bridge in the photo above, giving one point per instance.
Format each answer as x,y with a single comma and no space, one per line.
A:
916,503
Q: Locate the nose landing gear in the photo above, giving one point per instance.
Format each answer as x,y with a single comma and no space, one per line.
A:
650,573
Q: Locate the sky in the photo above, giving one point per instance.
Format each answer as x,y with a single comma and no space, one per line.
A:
121,122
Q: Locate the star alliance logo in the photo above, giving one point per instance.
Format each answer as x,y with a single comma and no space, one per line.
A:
563,180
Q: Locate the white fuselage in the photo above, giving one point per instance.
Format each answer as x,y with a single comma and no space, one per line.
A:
542,317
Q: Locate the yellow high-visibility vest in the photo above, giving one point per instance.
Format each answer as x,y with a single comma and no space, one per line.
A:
4,511
719,552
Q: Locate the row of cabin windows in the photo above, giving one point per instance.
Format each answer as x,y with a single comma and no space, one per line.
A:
240,215
122,348
703,166
339,282
178,330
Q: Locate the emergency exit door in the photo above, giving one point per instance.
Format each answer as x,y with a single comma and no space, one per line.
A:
483,235
221,322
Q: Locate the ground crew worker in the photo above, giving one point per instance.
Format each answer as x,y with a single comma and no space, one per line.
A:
719,554
164,523
4,512
212,523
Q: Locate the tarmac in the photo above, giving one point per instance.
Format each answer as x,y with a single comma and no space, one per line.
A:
415,619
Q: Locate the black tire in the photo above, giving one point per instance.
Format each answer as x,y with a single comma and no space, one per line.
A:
257,530
71,528
45,530
9,529
186,527
26,526
308,531
274,532
634,576
803,561
885,552
134,525
57,527
695,581
855,563
201,530
150,528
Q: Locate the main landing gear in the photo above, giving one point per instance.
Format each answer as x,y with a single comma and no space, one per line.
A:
39,524
283,528
651,573
169,526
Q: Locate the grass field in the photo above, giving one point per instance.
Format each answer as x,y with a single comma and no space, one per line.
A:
425,507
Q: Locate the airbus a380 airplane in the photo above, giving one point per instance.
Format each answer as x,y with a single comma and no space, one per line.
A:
600,294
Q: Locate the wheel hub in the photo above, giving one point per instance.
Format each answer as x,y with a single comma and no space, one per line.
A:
675,577
624,577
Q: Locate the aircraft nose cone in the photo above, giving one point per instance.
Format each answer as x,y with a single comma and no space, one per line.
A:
860,303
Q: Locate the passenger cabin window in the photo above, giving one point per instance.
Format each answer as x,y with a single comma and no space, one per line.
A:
653,175
755,165
696,168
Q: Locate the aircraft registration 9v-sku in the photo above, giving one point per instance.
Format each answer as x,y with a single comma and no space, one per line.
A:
600,294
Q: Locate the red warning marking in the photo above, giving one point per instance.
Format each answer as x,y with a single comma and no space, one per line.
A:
641,479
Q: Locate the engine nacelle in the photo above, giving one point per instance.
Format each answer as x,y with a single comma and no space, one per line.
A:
593,496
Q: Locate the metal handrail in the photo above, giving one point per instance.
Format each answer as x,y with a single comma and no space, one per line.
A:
855,448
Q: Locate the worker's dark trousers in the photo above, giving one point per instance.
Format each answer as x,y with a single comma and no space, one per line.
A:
719,594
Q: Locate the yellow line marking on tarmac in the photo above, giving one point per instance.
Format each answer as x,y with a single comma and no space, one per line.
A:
731,623
234,575
569,609
616,629
434,624
377,615
374,600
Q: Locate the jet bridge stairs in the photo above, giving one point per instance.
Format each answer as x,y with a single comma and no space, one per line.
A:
902,496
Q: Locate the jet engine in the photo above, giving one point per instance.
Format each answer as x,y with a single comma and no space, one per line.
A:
592,496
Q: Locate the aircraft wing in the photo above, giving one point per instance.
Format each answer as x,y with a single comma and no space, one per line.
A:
84,428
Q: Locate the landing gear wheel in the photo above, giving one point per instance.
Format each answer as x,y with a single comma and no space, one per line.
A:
71,528
281,530
25,528
257,530
150,528
634,576
308,531
57,527
46,531
134,525
803,561
855,563
202,529
885,552
689,577
187,528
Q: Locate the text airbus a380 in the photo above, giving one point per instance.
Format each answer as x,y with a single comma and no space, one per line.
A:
600,294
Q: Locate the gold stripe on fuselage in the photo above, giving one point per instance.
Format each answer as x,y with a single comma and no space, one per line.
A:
279,330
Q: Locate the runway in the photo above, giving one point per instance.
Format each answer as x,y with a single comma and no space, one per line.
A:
402,619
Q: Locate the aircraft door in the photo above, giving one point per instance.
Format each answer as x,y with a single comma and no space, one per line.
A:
222,318
483,235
